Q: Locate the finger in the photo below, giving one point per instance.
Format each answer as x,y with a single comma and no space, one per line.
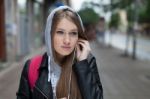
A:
87,46
78,51
77,47
84,41
82,44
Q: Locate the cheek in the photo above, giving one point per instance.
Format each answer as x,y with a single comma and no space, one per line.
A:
75,42
56,42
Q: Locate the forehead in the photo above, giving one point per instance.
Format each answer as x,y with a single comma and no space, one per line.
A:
66,24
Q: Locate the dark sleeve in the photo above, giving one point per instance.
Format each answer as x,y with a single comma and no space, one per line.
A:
88,79
24,89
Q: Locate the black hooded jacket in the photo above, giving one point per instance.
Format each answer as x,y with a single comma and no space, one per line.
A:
87,77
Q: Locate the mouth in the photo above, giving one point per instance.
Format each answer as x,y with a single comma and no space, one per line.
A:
66,47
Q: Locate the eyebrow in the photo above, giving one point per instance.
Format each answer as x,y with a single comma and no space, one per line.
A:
64,30
60,29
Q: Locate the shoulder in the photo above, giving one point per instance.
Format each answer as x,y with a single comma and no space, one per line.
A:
25,68
91,58
89,62
32,60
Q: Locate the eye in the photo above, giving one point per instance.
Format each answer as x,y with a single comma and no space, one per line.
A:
74,33
59,32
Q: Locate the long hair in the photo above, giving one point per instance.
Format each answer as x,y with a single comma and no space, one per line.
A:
63,88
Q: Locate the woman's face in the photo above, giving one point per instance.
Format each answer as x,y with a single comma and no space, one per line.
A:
65,37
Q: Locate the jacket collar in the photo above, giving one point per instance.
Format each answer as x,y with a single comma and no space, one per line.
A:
44,62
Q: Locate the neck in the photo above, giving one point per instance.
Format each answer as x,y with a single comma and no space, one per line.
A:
59,59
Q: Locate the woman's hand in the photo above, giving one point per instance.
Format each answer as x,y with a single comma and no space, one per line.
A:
83,49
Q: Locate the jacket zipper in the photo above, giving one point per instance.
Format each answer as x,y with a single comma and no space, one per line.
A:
41,92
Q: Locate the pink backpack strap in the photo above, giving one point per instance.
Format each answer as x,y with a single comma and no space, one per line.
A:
33,70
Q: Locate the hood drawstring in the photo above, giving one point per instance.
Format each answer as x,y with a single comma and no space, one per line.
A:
49,69
54,72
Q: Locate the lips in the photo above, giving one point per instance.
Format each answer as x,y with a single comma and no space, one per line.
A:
66,47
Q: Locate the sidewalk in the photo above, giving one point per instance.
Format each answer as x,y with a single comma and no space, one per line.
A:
6,65
122,77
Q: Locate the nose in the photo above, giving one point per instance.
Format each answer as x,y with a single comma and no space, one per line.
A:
67,39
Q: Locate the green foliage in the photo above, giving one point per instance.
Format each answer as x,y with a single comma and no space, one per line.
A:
88,16
144,15
142,12
130,15
115,20
121,4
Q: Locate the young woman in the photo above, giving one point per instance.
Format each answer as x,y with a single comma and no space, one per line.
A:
68,70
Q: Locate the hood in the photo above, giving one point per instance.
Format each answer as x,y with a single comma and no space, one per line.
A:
49,25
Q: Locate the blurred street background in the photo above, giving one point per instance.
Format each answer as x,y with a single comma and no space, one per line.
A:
118,31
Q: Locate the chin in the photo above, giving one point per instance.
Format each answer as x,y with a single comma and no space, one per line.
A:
64,53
